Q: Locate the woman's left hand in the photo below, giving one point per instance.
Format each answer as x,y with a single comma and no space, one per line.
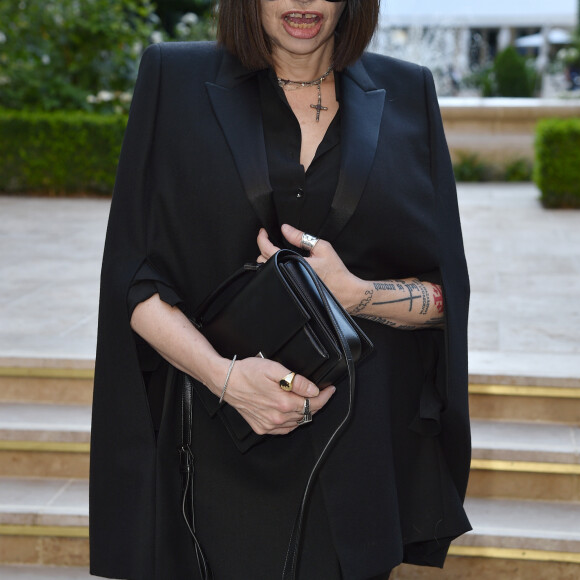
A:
407,303
325,261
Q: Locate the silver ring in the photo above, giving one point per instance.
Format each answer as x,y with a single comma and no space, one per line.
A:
306,414
308,242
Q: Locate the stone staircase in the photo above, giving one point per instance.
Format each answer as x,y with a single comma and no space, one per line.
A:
44,469
523,498
524,491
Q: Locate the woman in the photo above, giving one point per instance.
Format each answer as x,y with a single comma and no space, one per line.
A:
232,150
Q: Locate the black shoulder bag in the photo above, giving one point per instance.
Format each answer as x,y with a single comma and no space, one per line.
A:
282,311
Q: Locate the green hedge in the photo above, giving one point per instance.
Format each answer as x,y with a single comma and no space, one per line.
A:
60,152
469,166
557,166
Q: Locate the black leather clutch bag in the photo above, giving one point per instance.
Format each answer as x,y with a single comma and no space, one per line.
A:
281,310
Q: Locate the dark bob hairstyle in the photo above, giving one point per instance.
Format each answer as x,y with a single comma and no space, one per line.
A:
240,31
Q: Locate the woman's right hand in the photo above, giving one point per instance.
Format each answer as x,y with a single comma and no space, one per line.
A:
254,384
254,391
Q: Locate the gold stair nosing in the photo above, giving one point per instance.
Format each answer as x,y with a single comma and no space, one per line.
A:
476,464
525,391
54,531
47,373
514,554
525,466
45,446
474,388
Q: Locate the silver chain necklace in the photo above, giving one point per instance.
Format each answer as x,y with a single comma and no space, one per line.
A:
284,83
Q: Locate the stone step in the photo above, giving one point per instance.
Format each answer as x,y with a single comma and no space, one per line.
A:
60,381
534,526
44,521
519,540
495,565
499,397
525,399
510,459
44,440
456,568
525,461
23,572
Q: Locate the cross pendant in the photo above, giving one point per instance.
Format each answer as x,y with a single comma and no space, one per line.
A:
319,106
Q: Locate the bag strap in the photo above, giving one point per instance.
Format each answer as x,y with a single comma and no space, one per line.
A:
187,469
289,571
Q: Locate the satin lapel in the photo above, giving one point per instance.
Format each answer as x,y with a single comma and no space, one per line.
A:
236,103
362,107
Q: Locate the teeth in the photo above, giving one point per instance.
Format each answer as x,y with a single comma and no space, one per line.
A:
299,15
301,25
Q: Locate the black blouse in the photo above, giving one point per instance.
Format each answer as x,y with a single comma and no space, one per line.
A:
302,199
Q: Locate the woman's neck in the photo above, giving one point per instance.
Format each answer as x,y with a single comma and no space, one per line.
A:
302,67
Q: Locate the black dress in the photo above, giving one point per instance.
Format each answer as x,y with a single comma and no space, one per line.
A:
193,188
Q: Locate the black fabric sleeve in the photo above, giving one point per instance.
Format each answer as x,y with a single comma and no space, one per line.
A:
146,283
434,277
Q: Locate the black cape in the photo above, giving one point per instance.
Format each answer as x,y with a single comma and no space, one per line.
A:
192,190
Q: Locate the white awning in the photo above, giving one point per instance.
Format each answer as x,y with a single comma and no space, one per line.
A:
555,36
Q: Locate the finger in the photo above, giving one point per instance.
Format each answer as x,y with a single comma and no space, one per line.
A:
280,430
299,407
267,248
284,430
302,387
317,403
293,235
314,405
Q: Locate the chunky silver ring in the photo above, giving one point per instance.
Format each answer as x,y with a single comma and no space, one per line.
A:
306,414
308,242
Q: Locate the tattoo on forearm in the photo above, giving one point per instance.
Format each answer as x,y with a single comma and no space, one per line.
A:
426,298
384,286
387,322
379,319
363,303
426,294
407,299
411,287
438,298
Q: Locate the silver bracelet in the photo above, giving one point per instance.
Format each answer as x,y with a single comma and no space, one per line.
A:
227,379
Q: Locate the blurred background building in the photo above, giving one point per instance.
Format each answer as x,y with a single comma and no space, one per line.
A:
458,39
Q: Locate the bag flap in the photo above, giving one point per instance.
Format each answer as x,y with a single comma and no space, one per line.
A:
259,317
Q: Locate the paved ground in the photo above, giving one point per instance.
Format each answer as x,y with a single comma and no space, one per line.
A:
18,572
524,265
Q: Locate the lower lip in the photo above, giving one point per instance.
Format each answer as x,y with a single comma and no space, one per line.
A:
309,31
